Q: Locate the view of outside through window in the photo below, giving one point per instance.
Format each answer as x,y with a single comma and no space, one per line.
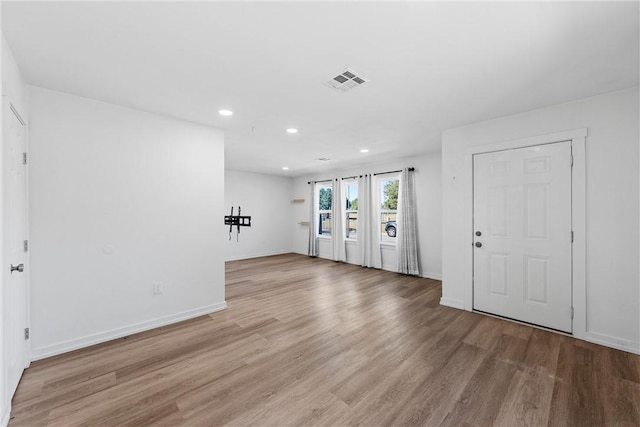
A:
388,209
324,210
351,209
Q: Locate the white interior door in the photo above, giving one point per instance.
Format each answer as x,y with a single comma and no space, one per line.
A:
522,234
14,266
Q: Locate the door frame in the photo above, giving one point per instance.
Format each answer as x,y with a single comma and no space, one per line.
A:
27,279
8,109
578,216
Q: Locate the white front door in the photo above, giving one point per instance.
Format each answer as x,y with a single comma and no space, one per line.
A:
522,234
14,265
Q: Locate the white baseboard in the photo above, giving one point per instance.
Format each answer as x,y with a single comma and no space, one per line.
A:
5,412
258,255
613,342
434,276
453,303
89,340
427,275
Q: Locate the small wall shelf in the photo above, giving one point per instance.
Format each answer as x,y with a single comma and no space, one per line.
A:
297,201
304,223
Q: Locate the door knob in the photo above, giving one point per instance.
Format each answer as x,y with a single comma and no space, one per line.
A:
478,245
19,268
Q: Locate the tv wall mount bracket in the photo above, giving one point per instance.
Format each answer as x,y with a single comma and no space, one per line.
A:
237,220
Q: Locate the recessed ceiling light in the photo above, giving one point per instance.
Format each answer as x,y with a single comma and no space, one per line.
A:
285,168
292,130
323,159
225,112
364,150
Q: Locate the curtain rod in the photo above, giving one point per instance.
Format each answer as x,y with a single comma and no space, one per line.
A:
360,176
382,173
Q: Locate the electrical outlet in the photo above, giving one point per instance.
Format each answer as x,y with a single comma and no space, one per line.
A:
157,288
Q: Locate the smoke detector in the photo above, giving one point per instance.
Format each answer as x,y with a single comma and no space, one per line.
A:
346,80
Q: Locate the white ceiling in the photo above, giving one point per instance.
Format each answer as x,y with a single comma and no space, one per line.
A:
431,66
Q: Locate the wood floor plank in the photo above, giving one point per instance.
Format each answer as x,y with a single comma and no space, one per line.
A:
67,395
300,403
527,401
623,402
481,400
312,342
440,389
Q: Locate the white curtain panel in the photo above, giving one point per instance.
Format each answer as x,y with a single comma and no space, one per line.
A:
313,223
338,220
407,236
368,224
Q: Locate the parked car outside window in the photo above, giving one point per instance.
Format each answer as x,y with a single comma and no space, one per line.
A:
390,228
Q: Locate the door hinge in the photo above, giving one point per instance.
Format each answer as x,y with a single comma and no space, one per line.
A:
24,158
26,333
571,159
571,236
572,313
26,245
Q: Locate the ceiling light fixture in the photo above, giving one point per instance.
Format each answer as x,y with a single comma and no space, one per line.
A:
285,168
225,112
364,150
292,130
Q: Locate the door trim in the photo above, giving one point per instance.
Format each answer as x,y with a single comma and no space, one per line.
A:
27,256
9,108
578,220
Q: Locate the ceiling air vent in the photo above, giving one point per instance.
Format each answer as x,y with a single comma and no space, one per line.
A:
346,81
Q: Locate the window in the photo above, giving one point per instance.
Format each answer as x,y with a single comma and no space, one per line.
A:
325,193
388,190
351,209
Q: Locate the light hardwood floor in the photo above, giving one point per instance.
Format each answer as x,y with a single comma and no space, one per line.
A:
312,342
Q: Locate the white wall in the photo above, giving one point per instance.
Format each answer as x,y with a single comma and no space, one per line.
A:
429,198
429,207
119,199
612,205
13,84
267,199
13,91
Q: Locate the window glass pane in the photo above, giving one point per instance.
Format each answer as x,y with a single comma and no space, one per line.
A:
389,194
351,190
352,225
324,199
388,226
324,225
388,209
